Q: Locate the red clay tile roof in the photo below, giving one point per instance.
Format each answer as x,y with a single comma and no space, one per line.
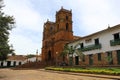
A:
99,32
17,57
76,37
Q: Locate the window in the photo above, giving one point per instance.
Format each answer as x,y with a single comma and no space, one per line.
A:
51,28
88,40
116,36
96,41
66,17
67,26
99,56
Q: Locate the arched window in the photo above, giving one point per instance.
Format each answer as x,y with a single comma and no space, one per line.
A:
66,17
67,26
51,29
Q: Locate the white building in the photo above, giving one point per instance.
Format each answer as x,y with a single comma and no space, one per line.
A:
34,59
98,47
13,61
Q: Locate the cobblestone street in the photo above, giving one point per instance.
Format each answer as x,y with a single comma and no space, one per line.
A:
9,74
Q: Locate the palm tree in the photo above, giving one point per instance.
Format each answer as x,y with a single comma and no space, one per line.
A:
79,53
70,51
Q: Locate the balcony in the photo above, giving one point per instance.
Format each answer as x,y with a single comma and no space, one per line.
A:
115,42
90,47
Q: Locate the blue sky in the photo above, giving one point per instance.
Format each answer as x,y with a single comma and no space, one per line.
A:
89,16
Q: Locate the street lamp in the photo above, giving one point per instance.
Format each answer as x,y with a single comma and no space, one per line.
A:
56,58
36,55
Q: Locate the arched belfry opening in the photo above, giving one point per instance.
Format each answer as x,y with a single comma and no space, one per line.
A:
67,26
49,55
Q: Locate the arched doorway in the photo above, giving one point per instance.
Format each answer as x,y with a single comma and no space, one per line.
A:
49,55
8,63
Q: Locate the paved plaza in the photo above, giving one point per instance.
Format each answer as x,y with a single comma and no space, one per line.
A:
38,74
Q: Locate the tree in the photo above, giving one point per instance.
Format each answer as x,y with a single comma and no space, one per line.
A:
6,25
30,55
70,51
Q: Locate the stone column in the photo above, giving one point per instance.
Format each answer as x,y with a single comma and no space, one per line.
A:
114,55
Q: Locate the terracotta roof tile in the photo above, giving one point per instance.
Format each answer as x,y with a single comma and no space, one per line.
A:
17,57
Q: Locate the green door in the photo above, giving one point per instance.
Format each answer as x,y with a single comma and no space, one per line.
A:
118,57
76,60
110,58
70,61
91,59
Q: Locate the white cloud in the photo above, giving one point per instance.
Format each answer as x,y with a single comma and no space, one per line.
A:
24,45
93,15
24,14
28,24
88,16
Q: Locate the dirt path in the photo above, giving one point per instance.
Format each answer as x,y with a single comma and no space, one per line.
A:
8,74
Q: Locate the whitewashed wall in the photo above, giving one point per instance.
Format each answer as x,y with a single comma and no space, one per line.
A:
33,59
12,62
104,40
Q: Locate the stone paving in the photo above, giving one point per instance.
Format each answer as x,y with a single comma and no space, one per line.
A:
38,74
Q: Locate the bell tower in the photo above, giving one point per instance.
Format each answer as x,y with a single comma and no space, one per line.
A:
64,20
56,35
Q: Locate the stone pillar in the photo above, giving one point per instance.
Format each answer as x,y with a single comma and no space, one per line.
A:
86,59
114,55
95,59
104,60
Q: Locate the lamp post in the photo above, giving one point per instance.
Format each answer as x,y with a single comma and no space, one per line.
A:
56,58
36,55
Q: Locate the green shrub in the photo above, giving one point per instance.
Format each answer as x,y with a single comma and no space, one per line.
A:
108,71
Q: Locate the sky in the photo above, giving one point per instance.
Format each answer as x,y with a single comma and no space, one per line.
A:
89,16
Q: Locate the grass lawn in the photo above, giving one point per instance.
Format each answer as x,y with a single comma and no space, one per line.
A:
108,71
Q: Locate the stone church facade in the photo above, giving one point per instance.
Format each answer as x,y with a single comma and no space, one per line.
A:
100,48
56,35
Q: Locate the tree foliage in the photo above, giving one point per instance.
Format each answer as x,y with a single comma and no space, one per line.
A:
70,51
6,25
30,55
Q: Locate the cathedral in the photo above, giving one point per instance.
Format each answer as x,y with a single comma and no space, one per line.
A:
98,49
56,35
